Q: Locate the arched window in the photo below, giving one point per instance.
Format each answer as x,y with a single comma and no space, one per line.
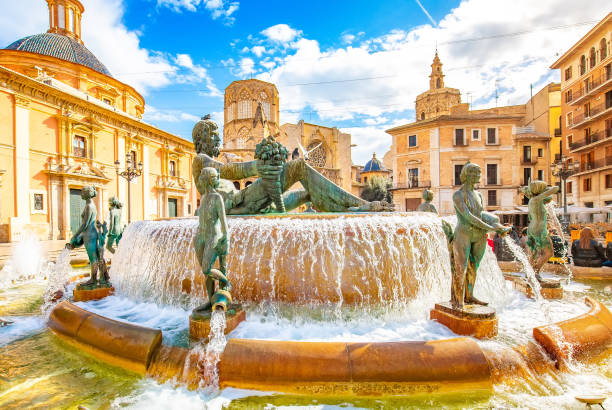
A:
172,169
245,109
592,58
61,16
133,158
603,49
71,20
582,65
78,146
265,104
317,156
423,115
438,83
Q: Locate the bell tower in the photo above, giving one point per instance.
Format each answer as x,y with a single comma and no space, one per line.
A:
436,78
439,99
65,18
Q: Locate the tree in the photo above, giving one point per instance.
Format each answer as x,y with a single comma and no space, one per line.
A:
377,189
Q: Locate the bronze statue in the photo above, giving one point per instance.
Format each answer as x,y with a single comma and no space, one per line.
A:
91,234
427,206
115,231
538,240
212,240
470,237
256,198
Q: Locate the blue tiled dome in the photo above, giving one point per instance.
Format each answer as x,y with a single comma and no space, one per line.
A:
62,47
374,165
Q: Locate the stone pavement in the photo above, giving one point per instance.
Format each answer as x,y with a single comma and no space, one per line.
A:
52,248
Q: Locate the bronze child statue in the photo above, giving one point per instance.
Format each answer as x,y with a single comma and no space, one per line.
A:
115,232
538,240
427,206
91,235
212,240
470,236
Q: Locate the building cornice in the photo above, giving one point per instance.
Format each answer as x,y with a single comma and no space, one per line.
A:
580,43
25,88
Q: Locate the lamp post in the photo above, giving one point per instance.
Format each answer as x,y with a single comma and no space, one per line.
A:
563,169
132,171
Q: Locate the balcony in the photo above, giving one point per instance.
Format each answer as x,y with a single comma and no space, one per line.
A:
414,184
592,87
595,138
172,183
593,114
529,161
596,164
460,143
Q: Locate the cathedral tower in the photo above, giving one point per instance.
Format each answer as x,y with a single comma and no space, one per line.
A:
251,113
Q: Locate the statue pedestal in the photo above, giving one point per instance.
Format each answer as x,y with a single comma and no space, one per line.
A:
199,327
83,295
550,288
473,320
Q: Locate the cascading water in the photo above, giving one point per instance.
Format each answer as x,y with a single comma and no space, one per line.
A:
554,222
207,355
399,261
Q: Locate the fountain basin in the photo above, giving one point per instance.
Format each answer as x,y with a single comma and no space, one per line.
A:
337,368
122,344
579,338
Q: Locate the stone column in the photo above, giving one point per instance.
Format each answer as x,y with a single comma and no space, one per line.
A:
122,193
146,183
65,212
22,160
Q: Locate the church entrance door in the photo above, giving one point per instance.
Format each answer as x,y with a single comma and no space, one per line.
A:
172,207
77,204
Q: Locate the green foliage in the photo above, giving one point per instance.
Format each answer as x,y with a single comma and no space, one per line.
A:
377,189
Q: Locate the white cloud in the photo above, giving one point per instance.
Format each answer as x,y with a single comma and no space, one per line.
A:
154,115
258,50
217,8
378,76
246,67
281,33
348,38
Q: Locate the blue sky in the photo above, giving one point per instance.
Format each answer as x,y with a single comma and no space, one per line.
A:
357,65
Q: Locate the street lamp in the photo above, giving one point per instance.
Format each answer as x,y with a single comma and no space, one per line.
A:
131,172
563,169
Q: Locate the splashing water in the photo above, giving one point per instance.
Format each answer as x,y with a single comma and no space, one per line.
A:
27,262
58,277
520,255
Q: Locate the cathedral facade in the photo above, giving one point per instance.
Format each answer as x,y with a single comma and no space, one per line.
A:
66,123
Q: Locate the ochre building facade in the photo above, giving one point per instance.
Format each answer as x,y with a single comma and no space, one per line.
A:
510,145
64,121
586,89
